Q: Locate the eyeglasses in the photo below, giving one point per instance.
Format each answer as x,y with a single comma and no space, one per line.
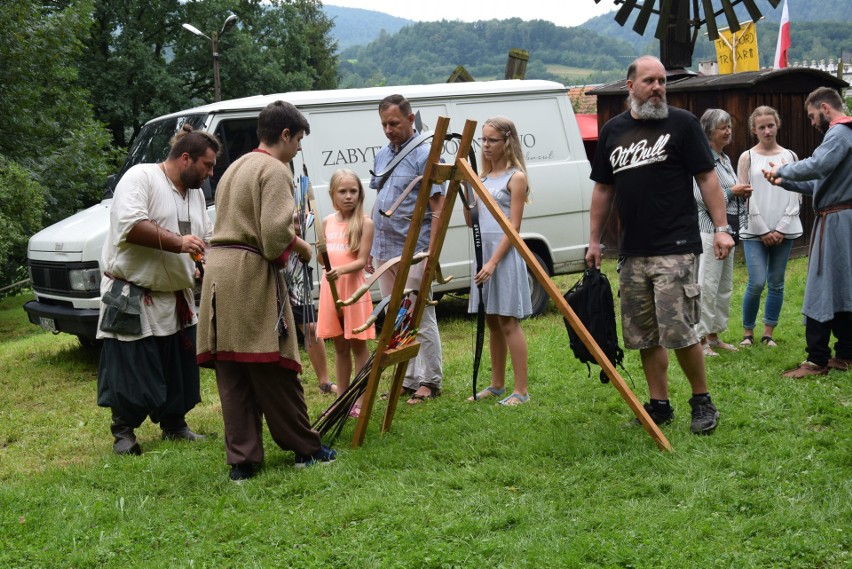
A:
485,140
724,127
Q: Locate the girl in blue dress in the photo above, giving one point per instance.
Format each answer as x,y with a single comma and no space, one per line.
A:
505,289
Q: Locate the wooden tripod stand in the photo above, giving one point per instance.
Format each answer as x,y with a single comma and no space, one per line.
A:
455,174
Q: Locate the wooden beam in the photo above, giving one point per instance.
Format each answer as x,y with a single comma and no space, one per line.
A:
407,255
556,296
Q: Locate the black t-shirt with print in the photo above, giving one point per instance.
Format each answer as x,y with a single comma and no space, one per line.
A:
652,163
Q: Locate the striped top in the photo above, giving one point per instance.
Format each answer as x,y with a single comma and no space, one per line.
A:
727,179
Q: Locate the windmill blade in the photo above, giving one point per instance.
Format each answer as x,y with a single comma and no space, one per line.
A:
731,16
624,11
753,10
710,19
663,21
644,15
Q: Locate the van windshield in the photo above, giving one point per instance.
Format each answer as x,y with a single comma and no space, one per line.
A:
152,143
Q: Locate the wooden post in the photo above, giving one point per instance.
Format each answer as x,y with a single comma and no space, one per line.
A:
460,75
516,63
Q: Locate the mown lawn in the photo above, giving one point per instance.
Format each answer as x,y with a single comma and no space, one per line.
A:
555,483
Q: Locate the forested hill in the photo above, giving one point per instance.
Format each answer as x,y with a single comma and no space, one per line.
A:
427,52
354,26
597,51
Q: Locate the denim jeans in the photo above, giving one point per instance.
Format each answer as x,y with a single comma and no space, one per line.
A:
766,266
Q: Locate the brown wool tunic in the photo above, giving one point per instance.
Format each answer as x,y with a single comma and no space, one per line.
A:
239,308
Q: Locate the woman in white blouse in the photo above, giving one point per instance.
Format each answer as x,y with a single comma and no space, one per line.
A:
773,224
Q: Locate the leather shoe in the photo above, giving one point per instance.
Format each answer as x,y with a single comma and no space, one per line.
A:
243,471
806,369
840,364
183,434
126,446
125,441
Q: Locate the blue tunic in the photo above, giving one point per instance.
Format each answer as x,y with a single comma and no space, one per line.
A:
827,176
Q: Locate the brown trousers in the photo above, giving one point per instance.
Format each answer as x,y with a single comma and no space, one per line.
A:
251,391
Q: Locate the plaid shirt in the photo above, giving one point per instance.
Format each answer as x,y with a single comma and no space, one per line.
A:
391,232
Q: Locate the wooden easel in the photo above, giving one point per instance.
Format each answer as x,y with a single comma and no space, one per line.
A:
455,174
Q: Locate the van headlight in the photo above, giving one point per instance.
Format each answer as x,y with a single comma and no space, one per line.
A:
84,279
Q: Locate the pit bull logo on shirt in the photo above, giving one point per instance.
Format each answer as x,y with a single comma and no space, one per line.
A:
639,154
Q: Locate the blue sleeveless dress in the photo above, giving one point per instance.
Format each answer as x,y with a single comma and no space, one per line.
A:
507,292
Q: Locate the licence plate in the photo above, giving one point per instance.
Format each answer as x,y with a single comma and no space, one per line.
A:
47,323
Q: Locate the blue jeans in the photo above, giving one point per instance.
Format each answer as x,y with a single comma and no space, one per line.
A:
766,266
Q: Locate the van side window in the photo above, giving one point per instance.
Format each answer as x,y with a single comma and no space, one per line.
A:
238,136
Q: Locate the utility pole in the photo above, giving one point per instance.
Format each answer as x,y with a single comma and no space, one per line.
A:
214,43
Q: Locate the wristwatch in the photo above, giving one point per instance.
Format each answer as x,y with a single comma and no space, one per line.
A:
724,229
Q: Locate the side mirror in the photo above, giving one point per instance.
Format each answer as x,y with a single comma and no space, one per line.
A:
111,182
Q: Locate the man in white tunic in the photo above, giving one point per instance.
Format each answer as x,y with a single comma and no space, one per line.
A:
158,225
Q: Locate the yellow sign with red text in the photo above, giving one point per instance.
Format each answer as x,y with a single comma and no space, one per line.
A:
737,52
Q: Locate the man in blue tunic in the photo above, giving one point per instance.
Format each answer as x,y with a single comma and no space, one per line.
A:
827,177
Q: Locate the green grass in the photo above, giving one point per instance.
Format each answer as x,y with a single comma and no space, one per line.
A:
556,482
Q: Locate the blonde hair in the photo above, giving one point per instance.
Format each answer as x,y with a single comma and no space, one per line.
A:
512,148
355,225
763,111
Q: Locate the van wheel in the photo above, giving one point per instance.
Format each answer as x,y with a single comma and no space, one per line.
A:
89,344
538,295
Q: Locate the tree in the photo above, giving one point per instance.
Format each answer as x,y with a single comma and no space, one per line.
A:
47,127
21,207
140,63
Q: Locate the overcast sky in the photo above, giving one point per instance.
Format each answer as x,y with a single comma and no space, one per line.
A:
560,12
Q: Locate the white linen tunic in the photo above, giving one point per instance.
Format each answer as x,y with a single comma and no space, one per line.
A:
144,193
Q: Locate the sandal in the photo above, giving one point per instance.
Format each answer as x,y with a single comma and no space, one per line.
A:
416,399
355,412
488,392
720,345
403,391
748,341
328,387
515,399
768,341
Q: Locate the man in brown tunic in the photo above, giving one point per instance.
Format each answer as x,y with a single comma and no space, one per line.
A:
246,330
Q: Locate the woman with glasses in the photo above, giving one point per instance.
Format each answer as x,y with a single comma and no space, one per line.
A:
773,224
717,276
503,275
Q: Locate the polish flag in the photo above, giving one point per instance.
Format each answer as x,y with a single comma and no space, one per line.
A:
783,45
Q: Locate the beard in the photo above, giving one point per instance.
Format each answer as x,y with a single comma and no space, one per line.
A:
648,110
190,179
824,123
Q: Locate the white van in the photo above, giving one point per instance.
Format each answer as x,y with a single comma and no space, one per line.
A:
346,133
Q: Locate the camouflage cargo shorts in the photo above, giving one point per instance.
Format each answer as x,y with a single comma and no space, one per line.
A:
660,301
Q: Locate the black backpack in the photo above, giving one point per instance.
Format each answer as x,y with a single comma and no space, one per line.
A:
591,300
